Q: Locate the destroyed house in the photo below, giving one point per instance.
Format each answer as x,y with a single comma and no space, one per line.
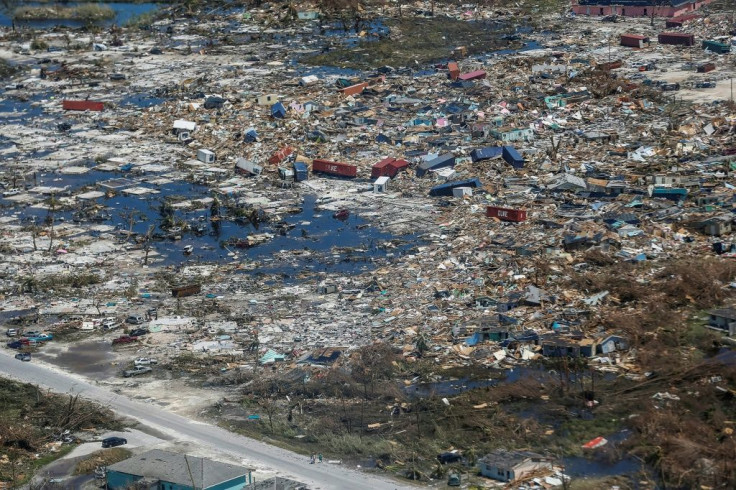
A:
510,466
165,470
322,357
723,319
637,8
557,346
515,134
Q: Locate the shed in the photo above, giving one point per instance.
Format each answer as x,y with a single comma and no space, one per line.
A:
267,99
381,184
509,466
278,110
205,156
170,470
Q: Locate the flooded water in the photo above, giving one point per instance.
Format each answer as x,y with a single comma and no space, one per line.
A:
123,13
92,358
311,239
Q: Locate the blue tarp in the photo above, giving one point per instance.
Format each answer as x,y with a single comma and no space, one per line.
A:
471,341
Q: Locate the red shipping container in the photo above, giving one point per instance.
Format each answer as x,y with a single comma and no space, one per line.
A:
280,155
82,105
473,75
454,70
388,167
334,168
706,67
676,38
678,21
506,214
634,40
354,89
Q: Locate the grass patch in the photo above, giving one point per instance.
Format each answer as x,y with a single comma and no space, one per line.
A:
82,13
7,69
104,457
415,41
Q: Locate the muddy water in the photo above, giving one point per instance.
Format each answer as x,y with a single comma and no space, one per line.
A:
93,359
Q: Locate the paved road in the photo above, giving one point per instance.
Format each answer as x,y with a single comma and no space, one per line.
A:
287,463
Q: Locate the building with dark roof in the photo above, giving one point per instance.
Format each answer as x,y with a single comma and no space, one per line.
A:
166,470
637,8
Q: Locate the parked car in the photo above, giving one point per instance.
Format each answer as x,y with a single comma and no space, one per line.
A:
124,339
23,356
16,344
108,323
134,320
136,371
137,332
11,332
113,441
31,333
11,192
453,480
145,361
42,337
449,457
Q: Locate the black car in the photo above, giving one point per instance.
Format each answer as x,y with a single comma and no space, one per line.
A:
114,441
16,344
137,332
449,457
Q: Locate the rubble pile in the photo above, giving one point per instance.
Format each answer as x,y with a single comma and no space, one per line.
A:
136,163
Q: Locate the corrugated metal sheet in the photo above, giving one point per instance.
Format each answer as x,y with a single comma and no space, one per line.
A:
280,155
446,160
354,89
473,75
446,189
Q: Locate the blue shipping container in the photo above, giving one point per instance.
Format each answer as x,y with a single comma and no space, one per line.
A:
446,160
512,157
446,189
301,172
486,153
278,110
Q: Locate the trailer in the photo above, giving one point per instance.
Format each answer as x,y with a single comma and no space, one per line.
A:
82,105
506,214
512,157
634,40
334,168
246,167
487,153
281,155
676,38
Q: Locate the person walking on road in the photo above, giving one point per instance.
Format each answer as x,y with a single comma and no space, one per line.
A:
320,457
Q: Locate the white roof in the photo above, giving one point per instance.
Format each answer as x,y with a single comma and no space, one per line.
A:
182,124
